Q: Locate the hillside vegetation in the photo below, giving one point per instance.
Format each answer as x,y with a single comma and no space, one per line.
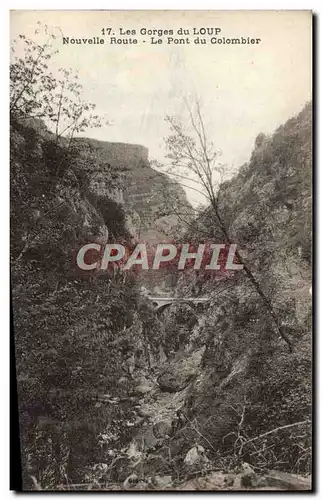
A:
107,387
250,383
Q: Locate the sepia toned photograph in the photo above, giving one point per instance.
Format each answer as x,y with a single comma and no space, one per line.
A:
161,249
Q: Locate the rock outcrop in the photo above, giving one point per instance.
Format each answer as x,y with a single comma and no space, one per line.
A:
153,203
235,375
185,399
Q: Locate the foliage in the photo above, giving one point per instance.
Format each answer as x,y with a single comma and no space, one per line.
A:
76,333
73,331
253,401
64,366
36,93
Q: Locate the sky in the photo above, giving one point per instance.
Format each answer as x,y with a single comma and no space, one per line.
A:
243,89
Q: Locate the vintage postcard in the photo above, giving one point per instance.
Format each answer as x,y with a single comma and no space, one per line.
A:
161,249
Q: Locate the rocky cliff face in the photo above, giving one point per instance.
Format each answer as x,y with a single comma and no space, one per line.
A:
118,395
78,337
230,389
152,202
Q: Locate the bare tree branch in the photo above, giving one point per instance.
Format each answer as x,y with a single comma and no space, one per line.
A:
199,157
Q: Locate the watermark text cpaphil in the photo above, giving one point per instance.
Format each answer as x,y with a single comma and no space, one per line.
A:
207,256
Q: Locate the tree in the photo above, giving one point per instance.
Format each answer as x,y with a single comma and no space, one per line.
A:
35,92
198,161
